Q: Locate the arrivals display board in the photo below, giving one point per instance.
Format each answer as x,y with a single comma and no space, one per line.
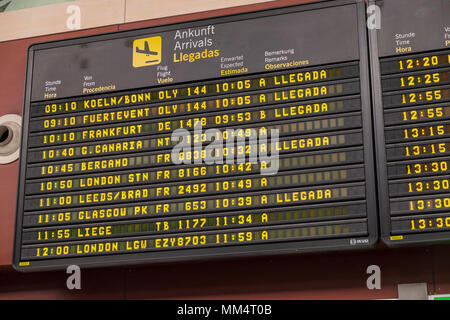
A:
411,89
235,136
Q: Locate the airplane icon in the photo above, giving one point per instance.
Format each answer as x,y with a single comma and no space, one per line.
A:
145,48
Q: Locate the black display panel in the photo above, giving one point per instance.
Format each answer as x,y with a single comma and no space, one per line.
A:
411,90
100,183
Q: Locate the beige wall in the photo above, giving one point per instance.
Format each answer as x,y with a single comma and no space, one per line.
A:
58,18
137,10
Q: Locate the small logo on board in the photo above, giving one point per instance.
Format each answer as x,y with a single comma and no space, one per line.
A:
354,242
